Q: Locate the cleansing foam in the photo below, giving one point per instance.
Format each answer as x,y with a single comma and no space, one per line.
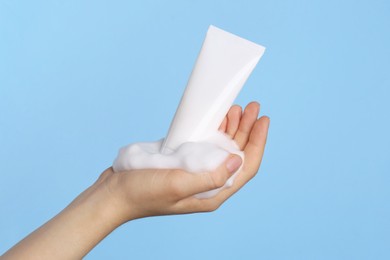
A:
193,142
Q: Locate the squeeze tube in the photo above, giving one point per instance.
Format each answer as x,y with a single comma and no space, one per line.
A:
224,63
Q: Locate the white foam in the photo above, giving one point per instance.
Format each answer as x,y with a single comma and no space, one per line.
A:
194,157
193,142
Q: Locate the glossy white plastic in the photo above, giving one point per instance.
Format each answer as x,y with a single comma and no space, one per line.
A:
223,66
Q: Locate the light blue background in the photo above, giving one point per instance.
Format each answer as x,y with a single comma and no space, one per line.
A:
79,79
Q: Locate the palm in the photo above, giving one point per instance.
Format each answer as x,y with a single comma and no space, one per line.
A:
170,191
250,133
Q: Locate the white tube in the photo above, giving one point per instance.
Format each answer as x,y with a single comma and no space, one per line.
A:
223,65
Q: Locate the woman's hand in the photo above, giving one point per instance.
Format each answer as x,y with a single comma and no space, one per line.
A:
151,192
116,198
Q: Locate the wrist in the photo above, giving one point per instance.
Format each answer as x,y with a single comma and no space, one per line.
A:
103,206
112,200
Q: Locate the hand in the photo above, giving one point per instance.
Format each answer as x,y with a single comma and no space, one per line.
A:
119,197
151,192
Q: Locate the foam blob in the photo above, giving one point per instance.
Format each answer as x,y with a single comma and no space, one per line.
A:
193,142
193,157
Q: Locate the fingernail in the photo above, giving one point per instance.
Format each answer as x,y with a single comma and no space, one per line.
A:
233,163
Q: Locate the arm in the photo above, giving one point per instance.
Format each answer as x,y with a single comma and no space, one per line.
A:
116,198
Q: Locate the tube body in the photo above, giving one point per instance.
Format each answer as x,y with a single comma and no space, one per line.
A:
222,67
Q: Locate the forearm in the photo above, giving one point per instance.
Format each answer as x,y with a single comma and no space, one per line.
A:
74,231
119,197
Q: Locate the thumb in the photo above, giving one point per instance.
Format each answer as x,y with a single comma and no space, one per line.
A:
216,179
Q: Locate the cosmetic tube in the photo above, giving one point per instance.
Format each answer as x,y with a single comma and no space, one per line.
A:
221,69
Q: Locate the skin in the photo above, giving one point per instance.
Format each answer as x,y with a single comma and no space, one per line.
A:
116,198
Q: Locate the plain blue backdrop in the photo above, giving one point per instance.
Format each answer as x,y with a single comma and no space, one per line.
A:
79,79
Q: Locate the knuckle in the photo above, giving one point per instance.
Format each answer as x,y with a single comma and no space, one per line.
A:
252,171
175,188
210,207
216,180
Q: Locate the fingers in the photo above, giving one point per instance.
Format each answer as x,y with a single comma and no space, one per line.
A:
233,120
254,149
223,125
250,134
191,184
253,155
247,121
